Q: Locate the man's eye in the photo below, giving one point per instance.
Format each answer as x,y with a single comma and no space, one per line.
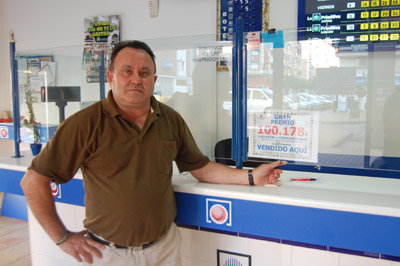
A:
127,72
144,74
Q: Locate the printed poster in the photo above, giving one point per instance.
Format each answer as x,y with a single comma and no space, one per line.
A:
284,135
101,34
36,72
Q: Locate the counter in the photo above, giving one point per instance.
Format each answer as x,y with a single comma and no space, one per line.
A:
336,220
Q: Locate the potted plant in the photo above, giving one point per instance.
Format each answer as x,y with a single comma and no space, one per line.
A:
31,122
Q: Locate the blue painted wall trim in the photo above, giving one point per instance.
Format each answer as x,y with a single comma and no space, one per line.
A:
320,227
353,231
14,206
9,181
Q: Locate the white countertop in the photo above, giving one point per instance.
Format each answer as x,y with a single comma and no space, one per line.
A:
371,195
380,196
17,164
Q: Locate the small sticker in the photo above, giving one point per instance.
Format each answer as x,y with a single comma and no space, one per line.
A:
275,38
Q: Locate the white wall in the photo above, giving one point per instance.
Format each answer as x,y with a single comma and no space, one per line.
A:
49,23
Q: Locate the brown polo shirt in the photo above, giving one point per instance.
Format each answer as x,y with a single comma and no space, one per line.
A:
126,171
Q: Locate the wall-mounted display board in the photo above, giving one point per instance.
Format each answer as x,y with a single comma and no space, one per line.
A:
253,12
350,21
255,15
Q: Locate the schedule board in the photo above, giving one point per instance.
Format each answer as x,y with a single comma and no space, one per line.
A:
350,21
253,12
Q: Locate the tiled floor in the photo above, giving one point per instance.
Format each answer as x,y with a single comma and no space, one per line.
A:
14,242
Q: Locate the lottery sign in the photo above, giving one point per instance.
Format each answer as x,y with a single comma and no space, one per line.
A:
284,135
351,21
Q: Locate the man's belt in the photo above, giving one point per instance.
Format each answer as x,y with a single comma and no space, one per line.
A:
101,241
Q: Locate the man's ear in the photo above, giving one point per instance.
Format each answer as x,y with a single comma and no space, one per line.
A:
110,74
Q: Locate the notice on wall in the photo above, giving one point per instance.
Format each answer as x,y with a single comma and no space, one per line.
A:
101,34
36,71
284,135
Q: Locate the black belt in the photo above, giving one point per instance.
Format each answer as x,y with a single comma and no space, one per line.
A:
101,241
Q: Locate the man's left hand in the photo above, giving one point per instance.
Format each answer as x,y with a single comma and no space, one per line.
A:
267,173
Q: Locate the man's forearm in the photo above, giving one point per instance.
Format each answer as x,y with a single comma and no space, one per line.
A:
221,174
41,202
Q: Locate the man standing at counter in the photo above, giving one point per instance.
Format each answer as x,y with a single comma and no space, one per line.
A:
125,146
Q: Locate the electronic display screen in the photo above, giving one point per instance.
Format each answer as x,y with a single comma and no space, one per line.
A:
57,93
350,21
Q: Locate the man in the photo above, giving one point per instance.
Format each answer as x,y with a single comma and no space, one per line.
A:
125,146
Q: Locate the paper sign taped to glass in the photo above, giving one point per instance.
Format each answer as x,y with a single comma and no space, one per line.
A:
284,135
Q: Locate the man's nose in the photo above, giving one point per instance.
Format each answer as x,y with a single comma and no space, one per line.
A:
135,78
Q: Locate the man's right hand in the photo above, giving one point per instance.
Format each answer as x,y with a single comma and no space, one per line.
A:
82,247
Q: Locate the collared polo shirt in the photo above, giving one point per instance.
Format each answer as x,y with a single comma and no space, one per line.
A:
126,170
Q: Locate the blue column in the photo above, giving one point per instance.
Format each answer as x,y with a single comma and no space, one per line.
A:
15,98
239,97
101,73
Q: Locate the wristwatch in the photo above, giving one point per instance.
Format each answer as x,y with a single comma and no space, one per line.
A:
250,175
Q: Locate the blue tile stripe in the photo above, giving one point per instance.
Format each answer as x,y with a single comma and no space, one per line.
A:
355,252
371,234
264,238
212,230
388,257
304,245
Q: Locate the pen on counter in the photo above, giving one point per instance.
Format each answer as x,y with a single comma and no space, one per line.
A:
303,179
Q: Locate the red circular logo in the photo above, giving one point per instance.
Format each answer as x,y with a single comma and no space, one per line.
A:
54,189
218,214
4,133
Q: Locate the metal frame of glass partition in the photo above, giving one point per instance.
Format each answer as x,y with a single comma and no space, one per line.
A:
15,93
355,164
349,164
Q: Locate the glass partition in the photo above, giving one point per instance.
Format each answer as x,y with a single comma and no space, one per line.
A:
194,77
321,104
43,75
324,103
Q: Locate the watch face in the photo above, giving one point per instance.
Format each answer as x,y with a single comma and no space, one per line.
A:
218,214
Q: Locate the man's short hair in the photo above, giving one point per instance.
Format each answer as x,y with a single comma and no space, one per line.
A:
130,44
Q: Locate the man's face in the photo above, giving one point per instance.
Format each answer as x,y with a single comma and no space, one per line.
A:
132,81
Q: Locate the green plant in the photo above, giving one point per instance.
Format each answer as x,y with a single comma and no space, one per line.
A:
31,121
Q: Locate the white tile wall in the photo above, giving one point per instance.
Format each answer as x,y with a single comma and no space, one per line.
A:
80,216
286,255
39,260
226,242
43,250
313,257
199,245
67,214
186,248
264,252
199,248
352,260
41,244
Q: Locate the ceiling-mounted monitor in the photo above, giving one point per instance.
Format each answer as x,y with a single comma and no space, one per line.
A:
351,23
